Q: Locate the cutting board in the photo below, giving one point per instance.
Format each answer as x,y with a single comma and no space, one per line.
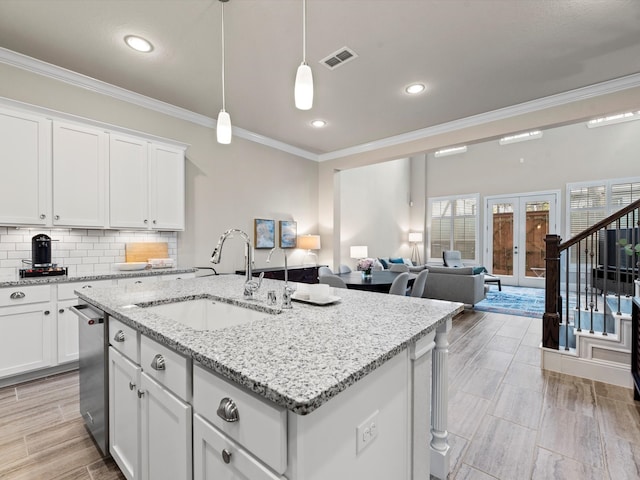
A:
143,251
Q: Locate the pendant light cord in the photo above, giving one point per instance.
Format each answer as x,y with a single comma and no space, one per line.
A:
304,32
223,93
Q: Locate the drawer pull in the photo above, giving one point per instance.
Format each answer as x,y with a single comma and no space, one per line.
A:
228,410
226,455
86,286
132,386
119,336
158,362
138,281
61,310
17,295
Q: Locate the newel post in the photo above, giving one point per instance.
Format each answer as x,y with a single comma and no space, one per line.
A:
551,317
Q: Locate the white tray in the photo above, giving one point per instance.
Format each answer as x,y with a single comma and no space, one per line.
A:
325,301
131,266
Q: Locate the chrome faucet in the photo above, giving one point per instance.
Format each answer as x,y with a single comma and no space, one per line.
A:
288,290
251,286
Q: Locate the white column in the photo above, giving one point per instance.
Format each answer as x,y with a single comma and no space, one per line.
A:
439,403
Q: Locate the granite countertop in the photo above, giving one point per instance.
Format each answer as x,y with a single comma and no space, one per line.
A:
12,282
297,358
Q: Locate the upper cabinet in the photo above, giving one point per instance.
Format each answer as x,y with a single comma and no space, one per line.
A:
25,183
166,178
79,175
146,184
58,173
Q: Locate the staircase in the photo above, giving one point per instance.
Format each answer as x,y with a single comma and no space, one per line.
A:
589,282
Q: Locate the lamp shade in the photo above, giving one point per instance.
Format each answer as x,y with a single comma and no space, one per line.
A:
415,237
309,242
359,251
223,128
303,91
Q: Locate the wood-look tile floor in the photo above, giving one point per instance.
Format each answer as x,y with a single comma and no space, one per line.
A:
42,435
508,419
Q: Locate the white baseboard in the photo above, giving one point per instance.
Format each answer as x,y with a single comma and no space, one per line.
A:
566,362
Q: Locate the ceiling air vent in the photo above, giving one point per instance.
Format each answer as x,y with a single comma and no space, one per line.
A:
339,57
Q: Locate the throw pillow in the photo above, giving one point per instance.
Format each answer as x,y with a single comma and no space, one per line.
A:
477,270
407,262
396,260
384,263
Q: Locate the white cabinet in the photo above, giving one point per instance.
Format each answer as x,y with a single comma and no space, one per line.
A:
124,414
166,433
146,183
166,189
25,183
79,175
128,182
27,326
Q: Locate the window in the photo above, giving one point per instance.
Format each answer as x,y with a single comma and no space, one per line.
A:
590,202
453,225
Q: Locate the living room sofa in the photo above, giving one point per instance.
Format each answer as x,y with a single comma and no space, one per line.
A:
455,284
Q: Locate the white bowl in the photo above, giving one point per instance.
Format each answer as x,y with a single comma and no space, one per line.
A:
131,266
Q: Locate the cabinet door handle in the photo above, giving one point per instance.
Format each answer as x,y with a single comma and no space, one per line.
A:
158,362
154,222
146,221
47,312
228,410
138,281
42,216
119,336
61,310
226,456
140,393
56,217
132,386
17,295
86,286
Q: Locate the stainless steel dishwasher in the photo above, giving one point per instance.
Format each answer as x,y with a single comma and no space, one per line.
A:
94,374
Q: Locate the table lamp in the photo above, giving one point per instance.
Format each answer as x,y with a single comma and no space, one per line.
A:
308,243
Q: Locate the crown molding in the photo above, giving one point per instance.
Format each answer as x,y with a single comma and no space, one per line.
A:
73,78
579,94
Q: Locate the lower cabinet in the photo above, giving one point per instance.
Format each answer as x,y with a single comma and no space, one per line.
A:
216,456
166,433
124,414
27,336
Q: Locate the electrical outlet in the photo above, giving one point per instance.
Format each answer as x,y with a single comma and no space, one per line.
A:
367,432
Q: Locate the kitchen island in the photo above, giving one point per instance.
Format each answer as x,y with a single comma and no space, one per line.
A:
348,382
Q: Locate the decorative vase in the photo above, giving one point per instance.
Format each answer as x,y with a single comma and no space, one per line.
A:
366,274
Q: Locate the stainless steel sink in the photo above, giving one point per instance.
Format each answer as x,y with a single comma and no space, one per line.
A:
207,314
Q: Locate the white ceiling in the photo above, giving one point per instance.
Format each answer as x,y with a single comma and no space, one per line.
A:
475,56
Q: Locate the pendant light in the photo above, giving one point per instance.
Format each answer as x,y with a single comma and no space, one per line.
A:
303,91
223,125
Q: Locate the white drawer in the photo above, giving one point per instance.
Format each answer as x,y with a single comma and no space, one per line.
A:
217,456
169,368
124,339
261,427
11,296
65,290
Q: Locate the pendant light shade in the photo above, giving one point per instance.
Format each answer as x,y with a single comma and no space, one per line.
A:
303,91
223,127
223,124
304,87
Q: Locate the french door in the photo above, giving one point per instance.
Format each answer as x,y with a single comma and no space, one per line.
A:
516,228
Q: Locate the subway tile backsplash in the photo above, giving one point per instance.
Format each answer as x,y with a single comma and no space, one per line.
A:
82,251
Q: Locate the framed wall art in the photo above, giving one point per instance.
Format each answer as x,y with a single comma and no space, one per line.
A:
288,234
265,233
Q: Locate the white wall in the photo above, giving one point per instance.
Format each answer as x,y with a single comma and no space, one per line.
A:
374,209
226,185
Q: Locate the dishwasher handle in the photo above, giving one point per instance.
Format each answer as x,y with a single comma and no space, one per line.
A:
96,318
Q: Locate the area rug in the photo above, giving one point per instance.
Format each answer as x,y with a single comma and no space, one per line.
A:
521,301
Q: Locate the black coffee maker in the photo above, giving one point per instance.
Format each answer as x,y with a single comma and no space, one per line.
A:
41,251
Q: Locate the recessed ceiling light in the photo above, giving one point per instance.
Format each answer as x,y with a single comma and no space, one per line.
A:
138,43
415,88
318,123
